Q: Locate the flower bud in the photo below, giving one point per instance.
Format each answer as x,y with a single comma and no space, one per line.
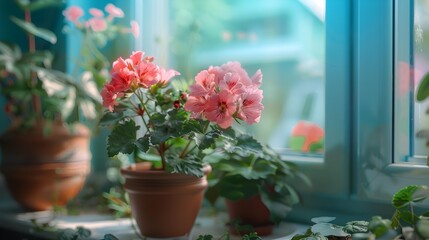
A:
176,104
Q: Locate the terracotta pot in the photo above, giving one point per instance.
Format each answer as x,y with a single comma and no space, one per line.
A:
251,212
163,204
42,171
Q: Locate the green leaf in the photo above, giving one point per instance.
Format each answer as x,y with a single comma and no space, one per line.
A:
423,88
83,232
109,237
296,143
38,4
190,165
379,226
251,236
236,187
356,227
143,143
323,219
32,29
122,138
408,217
409,194
205,237
277,204
207,140
329,229
111,118
308,235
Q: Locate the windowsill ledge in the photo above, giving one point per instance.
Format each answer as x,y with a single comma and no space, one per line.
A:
14,219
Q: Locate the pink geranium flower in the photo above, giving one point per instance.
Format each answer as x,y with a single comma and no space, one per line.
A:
109,94
195,105
97,24
135,29
96,12
73,13
220,108
251,106
114,11
204,83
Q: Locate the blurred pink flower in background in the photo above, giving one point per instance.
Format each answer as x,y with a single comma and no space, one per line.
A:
96,12
114,11
97,24
135,29
73,13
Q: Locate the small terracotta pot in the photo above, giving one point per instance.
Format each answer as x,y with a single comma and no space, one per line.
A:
42,171
163,204
250,211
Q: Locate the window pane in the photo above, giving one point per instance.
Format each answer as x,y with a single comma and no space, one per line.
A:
421,67
285,39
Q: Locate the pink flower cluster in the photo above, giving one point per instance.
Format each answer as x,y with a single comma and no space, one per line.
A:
132,73
98,22
221,94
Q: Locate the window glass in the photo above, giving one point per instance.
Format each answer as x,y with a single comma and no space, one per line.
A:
285,39
421,67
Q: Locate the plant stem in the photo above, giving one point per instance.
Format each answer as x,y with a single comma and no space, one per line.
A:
32,48
185,150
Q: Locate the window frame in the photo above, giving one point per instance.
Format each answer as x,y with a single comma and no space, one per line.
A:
361,121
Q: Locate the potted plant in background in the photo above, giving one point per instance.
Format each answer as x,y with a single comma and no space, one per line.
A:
166,192
255,183
45,151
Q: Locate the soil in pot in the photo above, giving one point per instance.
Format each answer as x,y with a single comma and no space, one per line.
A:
249,215
163,204
45,170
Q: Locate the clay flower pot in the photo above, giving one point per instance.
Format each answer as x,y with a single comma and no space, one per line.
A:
163,204
250,212
42,171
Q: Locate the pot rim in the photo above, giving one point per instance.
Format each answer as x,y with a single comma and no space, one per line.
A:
142,170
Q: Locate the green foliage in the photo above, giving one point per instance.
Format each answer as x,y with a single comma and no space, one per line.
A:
118,202
423,88
109,237
247,168
42,33
80,233
35,5
190,165
379,226
226,236
409,195
122,139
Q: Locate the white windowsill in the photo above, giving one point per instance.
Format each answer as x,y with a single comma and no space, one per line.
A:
13,218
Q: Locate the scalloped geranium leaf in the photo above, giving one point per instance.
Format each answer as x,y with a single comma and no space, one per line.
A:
409,194
122,139
110,118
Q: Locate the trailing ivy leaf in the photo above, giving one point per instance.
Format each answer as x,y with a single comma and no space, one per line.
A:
122,138
409,194
111,118
379,226
423,88
42,33
356,227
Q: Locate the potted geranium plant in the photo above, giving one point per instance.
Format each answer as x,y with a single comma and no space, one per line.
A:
166,192
45,152
250,175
